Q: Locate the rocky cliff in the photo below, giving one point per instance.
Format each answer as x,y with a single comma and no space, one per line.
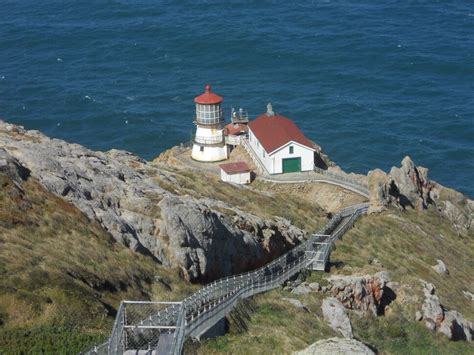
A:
408,187
124,194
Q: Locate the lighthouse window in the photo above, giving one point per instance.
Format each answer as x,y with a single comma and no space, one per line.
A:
201,148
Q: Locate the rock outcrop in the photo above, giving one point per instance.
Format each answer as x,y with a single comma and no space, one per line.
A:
365,293
123,193
295,302
336,346
440,267
336,316
449,322
407,186
12,168
410,187
205,242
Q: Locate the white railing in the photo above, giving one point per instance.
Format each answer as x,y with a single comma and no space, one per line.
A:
233,140
260,167
344,179
209,140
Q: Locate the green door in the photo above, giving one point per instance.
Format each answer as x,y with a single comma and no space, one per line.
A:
291,165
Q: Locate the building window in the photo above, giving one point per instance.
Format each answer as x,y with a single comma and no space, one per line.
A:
264,154
291,149
201,148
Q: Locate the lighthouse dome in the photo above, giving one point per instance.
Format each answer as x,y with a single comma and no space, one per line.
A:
208,98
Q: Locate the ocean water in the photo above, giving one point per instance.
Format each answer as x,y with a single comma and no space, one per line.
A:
370,81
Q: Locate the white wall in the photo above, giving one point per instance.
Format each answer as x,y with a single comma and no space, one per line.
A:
273,163
210,153
239,178
306,154
260,152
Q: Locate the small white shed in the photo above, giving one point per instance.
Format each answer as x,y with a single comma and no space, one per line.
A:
237,173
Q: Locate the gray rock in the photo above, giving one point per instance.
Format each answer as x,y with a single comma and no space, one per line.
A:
363,293
315,286
336,316
456,327
448,322
440,268
12,168
379,191
295,302
469,295
336,346
418,316
407,186
302,290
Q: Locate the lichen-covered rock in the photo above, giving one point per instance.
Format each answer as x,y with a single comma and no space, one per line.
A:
362,293
407,186
207,244
336,346
412,185
12,168
456,327
336,316
448,322
379,191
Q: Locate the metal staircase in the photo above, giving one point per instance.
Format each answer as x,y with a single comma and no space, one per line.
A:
161,327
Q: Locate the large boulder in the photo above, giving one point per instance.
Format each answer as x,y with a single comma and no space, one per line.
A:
379,191
412,185
448,322
407,186
336,346
12,168
336,316
208,244
365,293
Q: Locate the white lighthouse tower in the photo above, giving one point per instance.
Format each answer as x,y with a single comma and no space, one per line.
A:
209,144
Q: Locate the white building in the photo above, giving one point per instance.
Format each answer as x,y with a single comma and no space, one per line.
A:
238,173
209,144
279,144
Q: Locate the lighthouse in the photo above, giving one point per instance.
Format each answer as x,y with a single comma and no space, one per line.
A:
209,144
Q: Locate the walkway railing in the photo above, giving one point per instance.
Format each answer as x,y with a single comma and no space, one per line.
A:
200,311
344,179
260,167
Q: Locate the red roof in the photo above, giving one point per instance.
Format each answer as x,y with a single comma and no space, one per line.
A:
275,131
208,97
234,129
235,168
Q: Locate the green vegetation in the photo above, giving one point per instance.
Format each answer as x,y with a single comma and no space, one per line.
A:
62,276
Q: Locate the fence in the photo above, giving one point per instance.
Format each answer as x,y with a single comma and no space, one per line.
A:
343,178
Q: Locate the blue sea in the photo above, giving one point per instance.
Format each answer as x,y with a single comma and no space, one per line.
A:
370,81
